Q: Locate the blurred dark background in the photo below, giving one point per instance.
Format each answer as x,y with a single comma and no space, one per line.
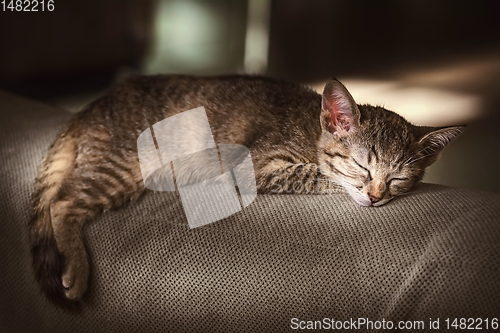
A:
435,62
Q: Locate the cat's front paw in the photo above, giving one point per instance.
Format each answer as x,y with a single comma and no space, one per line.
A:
75,278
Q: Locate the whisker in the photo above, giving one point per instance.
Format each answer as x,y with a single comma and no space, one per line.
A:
421,157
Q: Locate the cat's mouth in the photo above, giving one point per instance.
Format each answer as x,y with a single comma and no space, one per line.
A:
362,201
382,202
368,203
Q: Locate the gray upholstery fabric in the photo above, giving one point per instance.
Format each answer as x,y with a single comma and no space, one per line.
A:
434,253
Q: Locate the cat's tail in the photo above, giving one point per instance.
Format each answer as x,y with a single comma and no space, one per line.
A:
47,259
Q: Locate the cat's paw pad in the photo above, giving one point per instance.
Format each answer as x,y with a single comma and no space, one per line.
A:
75,278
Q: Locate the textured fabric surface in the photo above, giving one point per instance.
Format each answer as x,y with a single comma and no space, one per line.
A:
434,253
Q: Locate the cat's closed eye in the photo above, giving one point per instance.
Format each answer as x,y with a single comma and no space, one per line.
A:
398,185
398,181
368,173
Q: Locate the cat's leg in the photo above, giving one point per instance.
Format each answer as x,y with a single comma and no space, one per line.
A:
68,217
77,181
110,180
285,177
90,191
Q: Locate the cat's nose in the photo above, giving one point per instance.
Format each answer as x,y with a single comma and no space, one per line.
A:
376,190
373,199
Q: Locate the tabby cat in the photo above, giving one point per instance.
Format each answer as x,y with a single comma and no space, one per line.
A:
300,142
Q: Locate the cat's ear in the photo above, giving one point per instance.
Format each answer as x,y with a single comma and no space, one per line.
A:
435,139
340,114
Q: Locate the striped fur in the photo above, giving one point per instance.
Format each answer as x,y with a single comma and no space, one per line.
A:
300,142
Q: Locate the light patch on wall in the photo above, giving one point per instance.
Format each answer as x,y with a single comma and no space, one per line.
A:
257,36
189,35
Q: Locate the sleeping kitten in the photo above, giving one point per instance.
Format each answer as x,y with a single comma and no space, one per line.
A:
295,136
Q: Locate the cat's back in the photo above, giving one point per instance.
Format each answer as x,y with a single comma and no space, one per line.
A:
240,108
247,94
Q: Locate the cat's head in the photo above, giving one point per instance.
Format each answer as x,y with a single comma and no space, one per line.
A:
373,153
